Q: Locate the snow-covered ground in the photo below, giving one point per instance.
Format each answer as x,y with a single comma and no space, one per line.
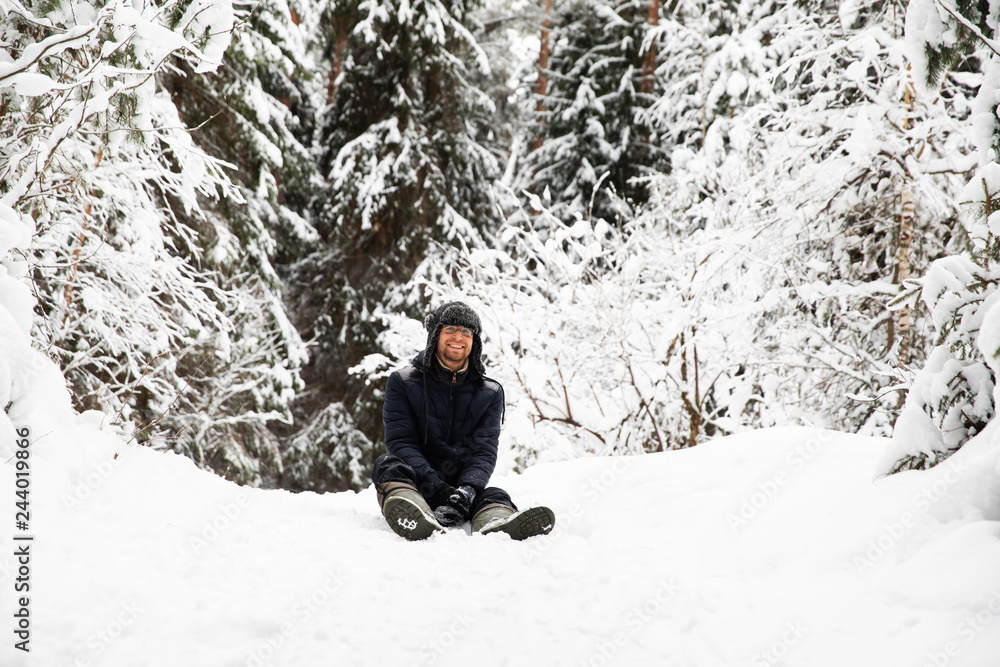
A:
776,547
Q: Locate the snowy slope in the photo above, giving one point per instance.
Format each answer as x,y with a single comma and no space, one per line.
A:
775,547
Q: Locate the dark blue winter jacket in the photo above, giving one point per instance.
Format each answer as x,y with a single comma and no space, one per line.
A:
447,432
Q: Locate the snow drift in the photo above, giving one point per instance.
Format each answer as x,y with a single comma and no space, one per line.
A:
773,547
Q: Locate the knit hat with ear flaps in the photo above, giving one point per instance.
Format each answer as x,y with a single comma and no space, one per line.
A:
456,314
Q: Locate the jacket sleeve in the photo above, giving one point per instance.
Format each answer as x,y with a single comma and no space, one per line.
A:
402,433
485,442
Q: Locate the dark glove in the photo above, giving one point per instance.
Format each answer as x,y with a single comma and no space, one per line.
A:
456,510
440,495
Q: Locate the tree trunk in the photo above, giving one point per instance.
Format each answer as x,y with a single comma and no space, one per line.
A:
649,65
77,249
338,61
692,407
704,93
903,253
543,66
904,243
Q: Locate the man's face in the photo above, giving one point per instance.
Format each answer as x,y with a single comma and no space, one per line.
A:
454,346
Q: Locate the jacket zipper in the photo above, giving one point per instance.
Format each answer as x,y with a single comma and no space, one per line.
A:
451,402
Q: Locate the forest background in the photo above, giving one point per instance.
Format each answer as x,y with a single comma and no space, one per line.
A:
678,220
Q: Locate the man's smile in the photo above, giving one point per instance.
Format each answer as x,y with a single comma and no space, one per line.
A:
453,349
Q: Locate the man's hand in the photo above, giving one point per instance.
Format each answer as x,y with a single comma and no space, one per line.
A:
456,510
440,495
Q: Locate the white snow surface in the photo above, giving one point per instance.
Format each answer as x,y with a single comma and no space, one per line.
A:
773,547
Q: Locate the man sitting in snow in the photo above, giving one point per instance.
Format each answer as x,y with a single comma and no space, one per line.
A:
442,420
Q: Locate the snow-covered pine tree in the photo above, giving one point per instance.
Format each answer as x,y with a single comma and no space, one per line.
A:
401,146
505,31
139,297
712,66
955,395
594,143
257,112
794,202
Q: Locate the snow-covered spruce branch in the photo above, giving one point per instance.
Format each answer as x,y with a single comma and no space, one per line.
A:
950,8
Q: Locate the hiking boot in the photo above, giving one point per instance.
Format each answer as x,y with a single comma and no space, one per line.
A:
406,511
519,525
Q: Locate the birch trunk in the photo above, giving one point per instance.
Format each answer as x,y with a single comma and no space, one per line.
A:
904,243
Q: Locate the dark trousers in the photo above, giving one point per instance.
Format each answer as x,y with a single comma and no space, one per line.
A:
389,468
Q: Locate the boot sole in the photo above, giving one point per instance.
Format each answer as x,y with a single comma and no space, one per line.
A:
525,524
407,520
